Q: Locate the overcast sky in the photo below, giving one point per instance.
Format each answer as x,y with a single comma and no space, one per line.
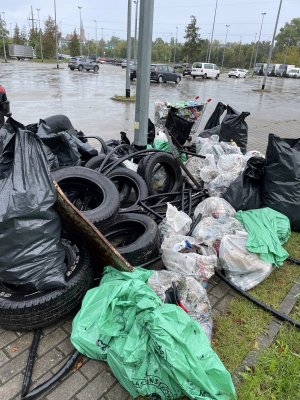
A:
243,16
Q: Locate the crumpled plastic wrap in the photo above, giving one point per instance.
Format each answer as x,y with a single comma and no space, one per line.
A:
232,163
243,268
160,114
210,229
191,293
200,266
194,166
230,148
253,153
215,207
204,145
175,222
210,170
219,185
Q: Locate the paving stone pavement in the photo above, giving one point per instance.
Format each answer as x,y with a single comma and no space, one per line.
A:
93,380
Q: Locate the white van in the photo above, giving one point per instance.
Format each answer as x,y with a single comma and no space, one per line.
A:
294,73
205,70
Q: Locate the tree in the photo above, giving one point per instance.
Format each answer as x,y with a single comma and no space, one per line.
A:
17,38
192,45
6,37
49,45
34,38
74,45
289,34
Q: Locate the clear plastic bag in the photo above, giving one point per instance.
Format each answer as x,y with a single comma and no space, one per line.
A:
204,145
243,268
194,166
175,222
210,170
230,148
232,163
209,229
192,296
215,207
160,114
200,266
219,185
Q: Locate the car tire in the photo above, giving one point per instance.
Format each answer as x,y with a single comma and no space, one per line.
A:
92,193
217,76
160,79
177,80
135,236
126,181
172,169
194,77
72,69
80,67
23,310
96,162
96,68
205,76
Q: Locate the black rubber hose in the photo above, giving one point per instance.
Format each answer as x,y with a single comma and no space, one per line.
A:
146,264
30,362
182,196
114,150
59,375
190,203
100,140
293,260
150,210
191,154
276,313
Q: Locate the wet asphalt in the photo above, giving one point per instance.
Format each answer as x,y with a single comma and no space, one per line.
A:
38,90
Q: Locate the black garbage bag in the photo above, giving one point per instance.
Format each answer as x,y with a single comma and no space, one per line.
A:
30,249
245,192
209,132
151,132
179,127
214,119
61,123
234,127
281,190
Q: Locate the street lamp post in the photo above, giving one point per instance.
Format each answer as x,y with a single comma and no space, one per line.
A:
252,50
262,21
175,45
96,36
80,30
227,27
127,90
240,49
55,35
3,41
135,30
289,42
212,33
170,48
41,45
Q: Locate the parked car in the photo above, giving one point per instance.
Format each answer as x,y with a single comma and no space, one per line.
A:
187,70
133,68
101,60
237,73
294,73
164,73
124,64
205,70
82,63
284,70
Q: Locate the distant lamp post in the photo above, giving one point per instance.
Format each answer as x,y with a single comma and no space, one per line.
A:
253,50
212,33
80,30
57,66
175,45
41,44
96,36
288,46
262,21
227,27
240,49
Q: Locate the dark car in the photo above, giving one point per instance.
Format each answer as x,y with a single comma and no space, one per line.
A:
164,73
82,63
187,69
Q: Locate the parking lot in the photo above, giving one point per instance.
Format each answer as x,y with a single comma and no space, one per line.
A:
38,90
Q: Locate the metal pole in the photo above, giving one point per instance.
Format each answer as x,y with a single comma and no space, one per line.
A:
170,48
287,50
271,48
41,45
143,73
240,49
212,33
263,16
55,35
127,93
207,48
80,31
3,41
135,30
252,50
227,26
175,45
96,37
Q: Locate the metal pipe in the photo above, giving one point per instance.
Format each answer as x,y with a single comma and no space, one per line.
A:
96,37
80,31
3,41
175,45
127,92
143,73
262,21
271,47
135,30
252,50
227,26
212,33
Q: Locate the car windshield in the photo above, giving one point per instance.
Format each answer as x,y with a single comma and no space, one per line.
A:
73,59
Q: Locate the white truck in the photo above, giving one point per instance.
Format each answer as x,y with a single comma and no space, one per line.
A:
284,69
20,51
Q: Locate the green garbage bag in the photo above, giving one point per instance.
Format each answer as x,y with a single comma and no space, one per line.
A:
153,349
267,231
